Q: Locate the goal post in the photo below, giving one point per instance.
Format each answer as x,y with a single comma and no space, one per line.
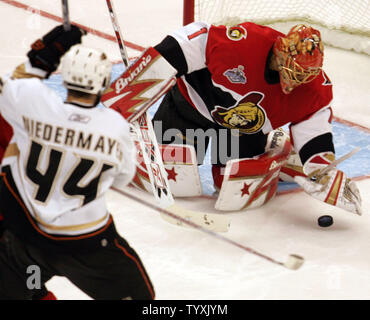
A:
342,23
188,12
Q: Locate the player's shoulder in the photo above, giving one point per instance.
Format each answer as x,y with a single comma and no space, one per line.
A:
311,97
244,31
25,76
21,83
322,87
26,90
324,81
194,30
111,118
197,25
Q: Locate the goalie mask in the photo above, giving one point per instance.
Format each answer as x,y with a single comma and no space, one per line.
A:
299,55
86,70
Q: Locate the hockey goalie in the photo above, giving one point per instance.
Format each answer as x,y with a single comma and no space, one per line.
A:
243,82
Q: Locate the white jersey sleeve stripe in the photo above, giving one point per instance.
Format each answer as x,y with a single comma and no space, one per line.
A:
193,40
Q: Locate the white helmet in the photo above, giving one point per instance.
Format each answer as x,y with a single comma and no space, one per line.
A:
85,69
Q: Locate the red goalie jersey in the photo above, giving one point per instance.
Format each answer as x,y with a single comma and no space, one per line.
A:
224,73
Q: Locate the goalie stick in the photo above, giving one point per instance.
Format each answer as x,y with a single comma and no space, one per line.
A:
141,127
117,31
293,261
338,161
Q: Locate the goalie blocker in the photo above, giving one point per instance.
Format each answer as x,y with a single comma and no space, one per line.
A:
141,85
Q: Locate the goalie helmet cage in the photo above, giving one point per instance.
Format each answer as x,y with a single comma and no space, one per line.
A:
342,23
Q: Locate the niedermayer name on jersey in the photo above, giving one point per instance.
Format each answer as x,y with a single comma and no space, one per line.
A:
73,138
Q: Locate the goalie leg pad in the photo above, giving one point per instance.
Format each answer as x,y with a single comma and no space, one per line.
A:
180,163
292,168
251,182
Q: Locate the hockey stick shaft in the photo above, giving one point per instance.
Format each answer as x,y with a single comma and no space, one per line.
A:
117,31
145,134
142,128
294,261
153,160
65,10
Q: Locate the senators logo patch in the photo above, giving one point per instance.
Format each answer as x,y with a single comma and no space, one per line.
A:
236,33
248,116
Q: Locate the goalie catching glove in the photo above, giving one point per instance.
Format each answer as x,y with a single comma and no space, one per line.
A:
332,186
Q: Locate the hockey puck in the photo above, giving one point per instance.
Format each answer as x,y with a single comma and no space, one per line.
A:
325,221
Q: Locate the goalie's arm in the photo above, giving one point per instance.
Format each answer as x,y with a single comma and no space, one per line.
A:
155,71
170,49
185,48
313,135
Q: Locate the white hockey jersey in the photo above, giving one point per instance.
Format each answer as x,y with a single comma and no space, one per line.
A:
62,157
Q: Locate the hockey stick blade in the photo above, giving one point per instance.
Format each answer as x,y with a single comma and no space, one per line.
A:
211,221
179,216
294,262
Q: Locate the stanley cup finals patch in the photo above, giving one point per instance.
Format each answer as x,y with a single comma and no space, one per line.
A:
236,75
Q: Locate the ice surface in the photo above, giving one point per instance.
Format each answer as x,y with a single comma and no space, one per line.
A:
188,264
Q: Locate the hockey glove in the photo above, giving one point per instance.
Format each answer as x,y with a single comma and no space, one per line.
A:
332,187
45,53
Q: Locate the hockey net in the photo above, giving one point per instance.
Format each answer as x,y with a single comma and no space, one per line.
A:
342,23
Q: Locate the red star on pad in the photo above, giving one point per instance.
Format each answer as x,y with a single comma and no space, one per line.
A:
171,174
245,189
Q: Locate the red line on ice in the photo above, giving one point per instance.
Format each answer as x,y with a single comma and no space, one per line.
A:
351,124
48,15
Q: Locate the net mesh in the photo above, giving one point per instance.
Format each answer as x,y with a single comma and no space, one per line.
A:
337,16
